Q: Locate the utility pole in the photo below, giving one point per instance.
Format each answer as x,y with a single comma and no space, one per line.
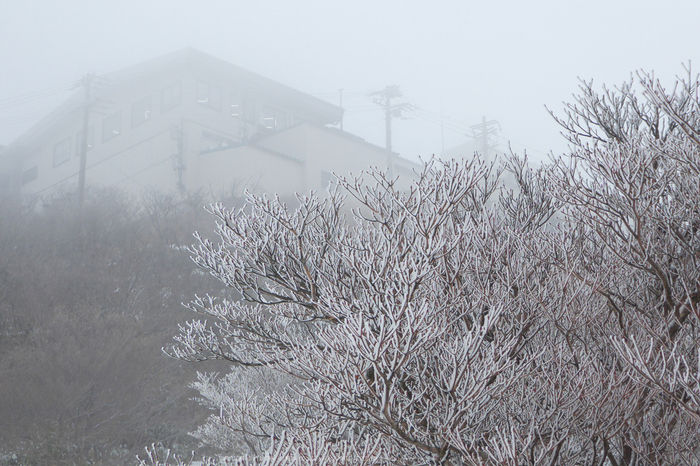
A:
383,99
178,134
482,132
87,83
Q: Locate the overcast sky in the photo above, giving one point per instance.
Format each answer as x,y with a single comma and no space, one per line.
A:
456,61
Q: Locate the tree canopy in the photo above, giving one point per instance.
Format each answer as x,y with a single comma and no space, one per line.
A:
461,322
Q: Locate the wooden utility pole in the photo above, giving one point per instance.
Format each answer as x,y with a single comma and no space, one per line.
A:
87,83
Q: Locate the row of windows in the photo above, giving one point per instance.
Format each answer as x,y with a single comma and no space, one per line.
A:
207,95
112,125
170,98
141,111
241,107
62,149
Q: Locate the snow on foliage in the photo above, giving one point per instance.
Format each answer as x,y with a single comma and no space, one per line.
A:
558,325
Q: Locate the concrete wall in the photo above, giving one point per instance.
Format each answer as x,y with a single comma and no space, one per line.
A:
246,167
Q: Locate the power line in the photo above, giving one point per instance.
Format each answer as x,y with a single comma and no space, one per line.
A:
442,117
374,122
510,141
452,124
351,110
23,118
31,96
462,128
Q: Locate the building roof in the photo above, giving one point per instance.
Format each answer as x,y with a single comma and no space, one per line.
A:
191,58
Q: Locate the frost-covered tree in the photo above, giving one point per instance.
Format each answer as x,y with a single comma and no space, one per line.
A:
558,325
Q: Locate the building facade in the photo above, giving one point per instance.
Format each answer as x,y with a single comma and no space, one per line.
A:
189,121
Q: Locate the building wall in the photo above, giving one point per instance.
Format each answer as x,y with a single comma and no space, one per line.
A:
246,167
155,134
300,159
186,125
327,151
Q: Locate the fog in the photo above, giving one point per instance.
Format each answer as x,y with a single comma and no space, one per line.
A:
454,61
90,295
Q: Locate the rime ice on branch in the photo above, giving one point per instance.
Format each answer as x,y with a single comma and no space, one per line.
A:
556,325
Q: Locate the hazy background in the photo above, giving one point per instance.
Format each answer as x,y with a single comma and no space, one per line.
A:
457,59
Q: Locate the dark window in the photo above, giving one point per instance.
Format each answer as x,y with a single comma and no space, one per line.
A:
79,140
111,126
209,96
61,152
30,175
141,111
170,98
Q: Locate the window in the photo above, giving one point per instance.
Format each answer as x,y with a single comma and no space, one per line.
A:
280,119
211,141
79,140
111,126
236,108
141,111
170,98
30,174
61,152
209,96
268,118
274,119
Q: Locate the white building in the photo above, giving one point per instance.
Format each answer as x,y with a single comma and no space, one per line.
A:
188,120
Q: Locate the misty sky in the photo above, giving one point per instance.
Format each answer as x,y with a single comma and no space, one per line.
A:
460,59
